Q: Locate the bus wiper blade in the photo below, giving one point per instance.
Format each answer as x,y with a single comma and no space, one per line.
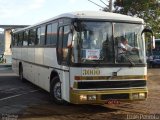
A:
132,63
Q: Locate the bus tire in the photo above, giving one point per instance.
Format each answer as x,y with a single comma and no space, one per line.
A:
21,74
55,91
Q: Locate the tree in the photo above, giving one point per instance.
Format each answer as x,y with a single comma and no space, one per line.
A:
149,10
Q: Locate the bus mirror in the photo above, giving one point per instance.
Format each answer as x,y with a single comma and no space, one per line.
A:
69,44
147,29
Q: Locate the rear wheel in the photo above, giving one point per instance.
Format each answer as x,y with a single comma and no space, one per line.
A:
21,74
55,91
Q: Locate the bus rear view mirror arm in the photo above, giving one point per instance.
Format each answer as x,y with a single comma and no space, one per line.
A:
147,29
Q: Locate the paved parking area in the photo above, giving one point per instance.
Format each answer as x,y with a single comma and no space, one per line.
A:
16,96
25,101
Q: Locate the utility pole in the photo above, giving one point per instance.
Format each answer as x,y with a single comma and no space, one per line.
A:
110,5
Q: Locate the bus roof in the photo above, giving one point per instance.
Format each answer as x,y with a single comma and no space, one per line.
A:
94,15
99,15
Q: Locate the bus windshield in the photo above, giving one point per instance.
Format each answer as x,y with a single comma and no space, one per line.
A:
98,43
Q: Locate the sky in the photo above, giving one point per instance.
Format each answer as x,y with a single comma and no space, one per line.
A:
29,12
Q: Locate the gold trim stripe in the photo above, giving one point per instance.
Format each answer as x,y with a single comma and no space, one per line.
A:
127,77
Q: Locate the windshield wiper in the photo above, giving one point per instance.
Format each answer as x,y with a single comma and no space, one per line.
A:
129,59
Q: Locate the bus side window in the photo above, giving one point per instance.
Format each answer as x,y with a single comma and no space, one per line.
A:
65,41
54,33
20,39
38,34
62,44
25,40
32,37
59,50
42,35
51,34
13,39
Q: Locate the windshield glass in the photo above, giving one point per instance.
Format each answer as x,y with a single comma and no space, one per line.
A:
93,43
129,43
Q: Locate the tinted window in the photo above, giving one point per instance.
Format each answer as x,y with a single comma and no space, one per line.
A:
60,51
32,37
25,39
20,39
65,38
49,34
14,40
38,34
42,36
54,33
51,37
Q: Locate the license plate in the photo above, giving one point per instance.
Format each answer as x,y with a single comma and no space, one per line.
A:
112,101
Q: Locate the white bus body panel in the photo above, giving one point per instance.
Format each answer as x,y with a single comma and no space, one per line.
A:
50,57
24,54
39,54
125,71
34,62
31,55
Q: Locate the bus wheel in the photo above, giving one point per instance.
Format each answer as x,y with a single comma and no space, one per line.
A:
55,91
21,74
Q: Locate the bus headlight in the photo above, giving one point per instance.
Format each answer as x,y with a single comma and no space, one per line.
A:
142,95
138,96
83,97
88,97
135,96
91,97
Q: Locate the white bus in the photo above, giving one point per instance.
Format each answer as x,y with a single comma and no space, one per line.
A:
75,57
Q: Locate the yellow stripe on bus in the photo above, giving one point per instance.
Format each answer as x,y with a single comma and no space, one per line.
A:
144,77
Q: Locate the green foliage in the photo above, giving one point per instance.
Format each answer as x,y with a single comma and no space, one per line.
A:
149,10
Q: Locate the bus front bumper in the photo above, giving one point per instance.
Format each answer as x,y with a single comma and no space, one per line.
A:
102,97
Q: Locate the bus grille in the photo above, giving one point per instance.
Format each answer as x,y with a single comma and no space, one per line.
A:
115,96
111,84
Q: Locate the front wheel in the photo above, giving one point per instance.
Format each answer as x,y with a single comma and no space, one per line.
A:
55,91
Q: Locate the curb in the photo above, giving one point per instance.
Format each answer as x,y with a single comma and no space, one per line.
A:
5,67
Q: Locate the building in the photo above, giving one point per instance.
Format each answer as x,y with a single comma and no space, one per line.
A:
5,40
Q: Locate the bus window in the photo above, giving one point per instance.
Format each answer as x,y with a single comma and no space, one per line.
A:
62,44
14,40
65,38
59,50
54,33
65,41
49,34
38,34
42,36
20,39
25,40
32,37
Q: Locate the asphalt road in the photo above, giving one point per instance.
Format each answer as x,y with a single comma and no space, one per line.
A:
16,96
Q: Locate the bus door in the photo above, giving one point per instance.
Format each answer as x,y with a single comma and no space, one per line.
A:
63,59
